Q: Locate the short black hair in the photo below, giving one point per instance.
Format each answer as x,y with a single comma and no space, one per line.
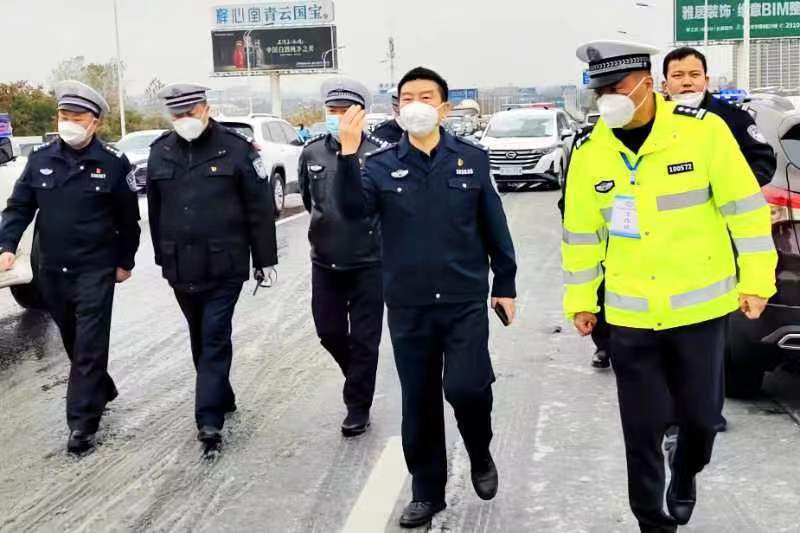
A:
422,73
682,53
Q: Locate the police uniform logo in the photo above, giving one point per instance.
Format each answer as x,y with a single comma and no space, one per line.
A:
130,179
213,169
399,174
98,174
46,171
460,162
680,168
315,168
260,169
756,134
604,186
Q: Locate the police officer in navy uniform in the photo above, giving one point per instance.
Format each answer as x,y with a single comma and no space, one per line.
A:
443,228
88,226
211,208
686,83
347,289
391,131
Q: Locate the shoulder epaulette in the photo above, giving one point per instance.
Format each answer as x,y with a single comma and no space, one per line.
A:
43,146
380,143
114,151
694,112
240,135
583,135
161,137
315,138
382,149
472,144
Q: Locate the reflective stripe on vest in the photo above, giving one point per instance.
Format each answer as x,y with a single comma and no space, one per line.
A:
683,200
739,207
704,295
751,245
581,238
627,303
583,276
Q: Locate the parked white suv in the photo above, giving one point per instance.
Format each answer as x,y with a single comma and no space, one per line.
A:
529,147
21,279
280,148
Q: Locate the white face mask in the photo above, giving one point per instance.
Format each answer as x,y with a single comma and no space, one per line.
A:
419,119
189,128
72,133
400,122
617,110
688,99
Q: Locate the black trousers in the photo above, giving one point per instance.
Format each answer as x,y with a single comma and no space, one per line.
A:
209,315
663,377
436,346
601,333
80,305
348,313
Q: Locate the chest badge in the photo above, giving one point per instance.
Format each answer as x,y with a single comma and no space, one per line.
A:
680,168
316,168
400,174
98,174
604,186
460,162
214,169
46,171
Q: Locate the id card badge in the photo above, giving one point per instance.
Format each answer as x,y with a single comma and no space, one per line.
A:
624,218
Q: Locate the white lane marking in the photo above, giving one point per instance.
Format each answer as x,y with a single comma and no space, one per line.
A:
378,498
540,449
291,218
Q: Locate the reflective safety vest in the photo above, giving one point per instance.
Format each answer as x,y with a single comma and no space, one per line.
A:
658,224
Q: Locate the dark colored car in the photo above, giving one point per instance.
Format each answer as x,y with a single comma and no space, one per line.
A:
756,347
137,147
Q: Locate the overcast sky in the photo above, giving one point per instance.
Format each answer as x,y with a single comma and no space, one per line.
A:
473,43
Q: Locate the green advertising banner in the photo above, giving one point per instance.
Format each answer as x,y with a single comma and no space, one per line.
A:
725,21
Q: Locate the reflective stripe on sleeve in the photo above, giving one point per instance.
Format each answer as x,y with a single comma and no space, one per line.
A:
739,207
704,295
583,276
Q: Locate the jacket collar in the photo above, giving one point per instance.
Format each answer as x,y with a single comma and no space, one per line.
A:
447,141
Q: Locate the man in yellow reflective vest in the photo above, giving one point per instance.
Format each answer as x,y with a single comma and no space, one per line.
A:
656,192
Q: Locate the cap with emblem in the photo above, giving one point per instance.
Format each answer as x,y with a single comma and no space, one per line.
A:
610,61
182,97
344,92
78,97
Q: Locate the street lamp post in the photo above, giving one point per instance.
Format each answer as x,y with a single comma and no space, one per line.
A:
120,79
247,47
328,52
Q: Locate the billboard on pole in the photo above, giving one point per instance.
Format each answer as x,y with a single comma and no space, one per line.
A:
726,21
255,15
274,50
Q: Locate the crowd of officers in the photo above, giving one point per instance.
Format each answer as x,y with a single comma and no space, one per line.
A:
413,222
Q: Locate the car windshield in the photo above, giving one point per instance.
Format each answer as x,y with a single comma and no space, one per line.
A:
137,143
516,125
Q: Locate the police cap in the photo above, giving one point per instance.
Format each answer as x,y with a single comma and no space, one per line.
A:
182,97
344,92
78,97
610,61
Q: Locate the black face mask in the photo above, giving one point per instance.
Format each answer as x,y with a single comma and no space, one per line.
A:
6,151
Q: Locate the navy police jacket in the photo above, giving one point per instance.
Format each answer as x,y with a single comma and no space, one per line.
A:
442,219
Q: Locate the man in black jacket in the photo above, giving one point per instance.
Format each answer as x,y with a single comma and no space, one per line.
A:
347,292
686,83
443,228
210,204
391,131
88,225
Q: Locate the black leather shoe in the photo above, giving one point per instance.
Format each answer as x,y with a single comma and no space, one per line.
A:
681,499
601,359
417,514
356,423
209,435
722,427
80,441
484,479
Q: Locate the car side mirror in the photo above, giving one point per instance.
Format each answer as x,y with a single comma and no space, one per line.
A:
478,135
6,151
297,142
566,133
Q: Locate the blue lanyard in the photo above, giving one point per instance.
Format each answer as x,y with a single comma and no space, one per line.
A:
632,168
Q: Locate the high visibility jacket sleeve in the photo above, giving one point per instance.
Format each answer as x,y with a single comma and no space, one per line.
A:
583,246
747,215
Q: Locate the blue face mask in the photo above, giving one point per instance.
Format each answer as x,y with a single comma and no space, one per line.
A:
332,124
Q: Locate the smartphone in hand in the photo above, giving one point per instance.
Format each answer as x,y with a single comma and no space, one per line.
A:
501,314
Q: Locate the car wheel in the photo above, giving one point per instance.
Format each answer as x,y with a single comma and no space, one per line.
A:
744,366
278,193
30,296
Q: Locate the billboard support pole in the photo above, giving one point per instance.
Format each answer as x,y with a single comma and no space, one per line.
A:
275,89
746,47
